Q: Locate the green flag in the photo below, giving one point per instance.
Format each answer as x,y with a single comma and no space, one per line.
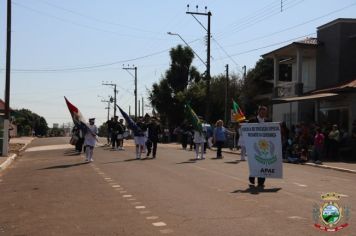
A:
193,118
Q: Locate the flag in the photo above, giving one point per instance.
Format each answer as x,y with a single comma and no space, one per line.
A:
130,123
77,116
193,118
237,114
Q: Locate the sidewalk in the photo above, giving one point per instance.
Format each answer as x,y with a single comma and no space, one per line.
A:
16,146
340,166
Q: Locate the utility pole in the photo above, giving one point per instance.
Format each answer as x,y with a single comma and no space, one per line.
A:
139,108
244,74
143,109
135,92
208,14
226,91
108,107
5,144
115,92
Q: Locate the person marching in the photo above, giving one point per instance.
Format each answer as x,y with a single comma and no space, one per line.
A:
261,118
120,136
90,140
219,137
154,130
139,137
199,140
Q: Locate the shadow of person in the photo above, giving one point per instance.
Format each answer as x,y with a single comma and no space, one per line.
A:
65,166
190,161
232,162
252,189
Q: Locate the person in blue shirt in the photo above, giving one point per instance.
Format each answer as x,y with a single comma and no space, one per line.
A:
219,137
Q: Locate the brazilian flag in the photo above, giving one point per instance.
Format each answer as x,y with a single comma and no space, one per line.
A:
193,118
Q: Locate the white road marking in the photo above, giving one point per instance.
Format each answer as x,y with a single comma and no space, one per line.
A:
343,195
115,186
131,199
296,218
127,196
152,217
107,178
300,185
48,147
140,207
159,224
166,231
144,212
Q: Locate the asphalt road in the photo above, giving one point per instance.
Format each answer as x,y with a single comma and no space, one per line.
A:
50,191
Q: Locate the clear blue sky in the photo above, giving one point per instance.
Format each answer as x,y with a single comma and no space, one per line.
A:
57,35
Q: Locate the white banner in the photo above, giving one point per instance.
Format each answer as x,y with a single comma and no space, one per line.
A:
264,149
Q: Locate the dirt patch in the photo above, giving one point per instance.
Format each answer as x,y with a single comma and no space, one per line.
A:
15,147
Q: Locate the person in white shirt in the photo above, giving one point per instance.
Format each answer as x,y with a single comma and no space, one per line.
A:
199,140
90,140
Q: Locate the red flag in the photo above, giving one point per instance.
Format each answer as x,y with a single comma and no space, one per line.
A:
77,116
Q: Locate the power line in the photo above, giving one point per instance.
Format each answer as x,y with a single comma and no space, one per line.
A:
294,26
259,17
80,24
96,19
267,46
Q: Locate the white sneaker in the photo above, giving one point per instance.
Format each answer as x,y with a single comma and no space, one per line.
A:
92,160
122,149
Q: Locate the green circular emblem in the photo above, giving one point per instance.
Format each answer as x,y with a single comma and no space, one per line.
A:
331,214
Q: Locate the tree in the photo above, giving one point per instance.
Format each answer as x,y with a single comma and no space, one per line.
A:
28,121
165,95
256,84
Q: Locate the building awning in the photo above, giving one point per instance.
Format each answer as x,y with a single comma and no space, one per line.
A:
343,87
301,98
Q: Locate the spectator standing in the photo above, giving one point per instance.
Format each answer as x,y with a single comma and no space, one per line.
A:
334,138
318,146
353,139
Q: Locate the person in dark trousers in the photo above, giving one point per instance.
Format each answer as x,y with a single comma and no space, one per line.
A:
116,128
261,118
219,137
109,124
80,136
154,130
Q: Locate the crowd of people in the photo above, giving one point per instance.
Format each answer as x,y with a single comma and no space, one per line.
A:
303,142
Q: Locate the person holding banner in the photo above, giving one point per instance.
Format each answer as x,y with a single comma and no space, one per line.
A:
260,118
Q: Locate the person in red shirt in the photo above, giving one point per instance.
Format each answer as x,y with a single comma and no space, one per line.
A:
318,146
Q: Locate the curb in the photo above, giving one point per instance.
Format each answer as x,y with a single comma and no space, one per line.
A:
8,162
10,159
331,168
309,164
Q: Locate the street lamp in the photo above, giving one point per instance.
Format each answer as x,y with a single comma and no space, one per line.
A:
170,33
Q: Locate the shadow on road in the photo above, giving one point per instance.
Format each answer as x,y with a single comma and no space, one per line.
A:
141,159
257,190
232,162
190,161
64,166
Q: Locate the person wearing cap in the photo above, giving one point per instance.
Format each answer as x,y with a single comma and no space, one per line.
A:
260,118
90,140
